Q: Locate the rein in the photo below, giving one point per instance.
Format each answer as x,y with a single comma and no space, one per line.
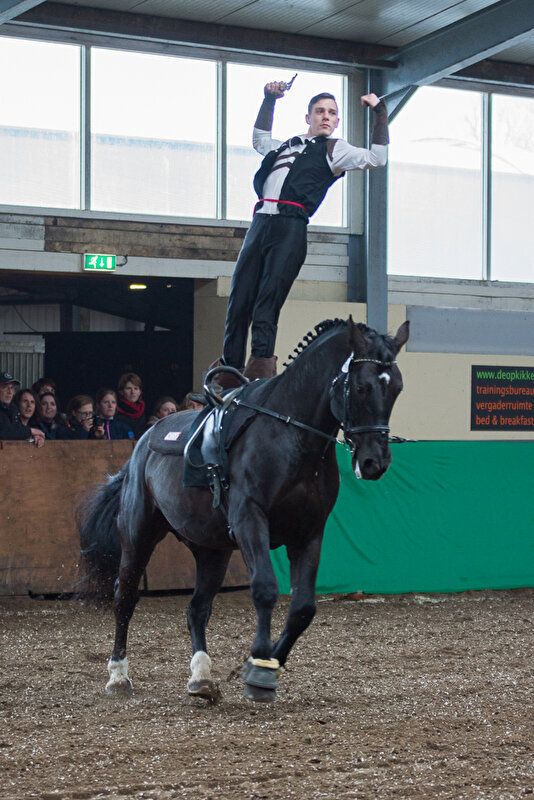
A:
347,430
283,418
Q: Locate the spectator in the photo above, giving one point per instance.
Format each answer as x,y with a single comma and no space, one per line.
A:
80,413
27,405
192,402
43,385
164,406
131,406
50,421
10,425
111,428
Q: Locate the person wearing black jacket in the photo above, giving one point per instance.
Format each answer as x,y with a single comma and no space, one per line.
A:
11,428
291,183
79,418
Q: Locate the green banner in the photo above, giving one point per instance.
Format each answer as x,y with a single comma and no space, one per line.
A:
446,517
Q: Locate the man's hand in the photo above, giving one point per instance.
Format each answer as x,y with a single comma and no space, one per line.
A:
38,437
369,100
274,89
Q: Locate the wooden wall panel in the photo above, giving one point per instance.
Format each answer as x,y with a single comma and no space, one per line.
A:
39,491
172,566
148,240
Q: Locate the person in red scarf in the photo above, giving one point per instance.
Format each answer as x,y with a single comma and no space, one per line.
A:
131,406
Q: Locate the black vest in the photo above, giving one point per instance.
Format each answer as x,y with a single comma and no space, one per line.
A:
307,182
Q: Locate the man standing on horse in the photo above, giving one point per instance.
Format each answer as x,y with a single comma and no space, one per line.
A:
291,183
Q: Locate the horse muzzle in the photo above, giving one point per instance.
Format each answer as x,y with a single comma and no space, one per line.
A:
370,461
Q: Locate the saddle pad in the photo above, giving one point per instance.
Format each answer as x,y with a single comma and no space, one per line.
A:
214,450
170,434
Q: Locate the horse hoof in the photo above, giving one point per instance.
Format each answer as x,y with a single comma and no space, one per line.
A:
259,694
122,688
205,689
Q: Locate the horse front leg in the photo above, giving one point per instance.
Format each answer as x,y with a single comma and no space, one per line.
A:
304,562
211,569
252,534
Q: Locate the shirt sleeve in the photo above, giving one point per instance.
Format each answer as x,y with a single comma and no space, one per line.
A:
263,142
346,156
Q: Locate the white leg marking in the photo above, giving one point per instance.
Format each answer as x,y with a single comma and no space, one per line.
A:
118,674
200,667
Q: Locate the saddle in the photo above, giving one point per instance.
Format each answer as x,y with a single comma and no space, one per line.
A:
203,439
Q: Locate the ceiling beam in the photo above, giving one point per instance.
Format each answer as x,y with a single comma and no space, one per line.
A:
460,45
499,73
9,9
80,19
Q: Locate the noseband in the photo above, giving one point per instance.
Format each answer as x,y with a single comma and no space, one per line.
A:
344,375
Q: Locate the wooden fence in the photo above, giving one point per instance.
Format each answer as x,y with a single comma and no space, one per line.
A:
39,492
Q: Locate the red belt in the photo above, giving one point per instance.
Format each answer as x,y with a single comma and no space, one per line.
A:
285,202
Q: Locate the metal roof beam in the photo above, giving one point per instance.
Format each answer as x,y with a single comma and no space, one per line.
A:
500,74
458,46
85,20
9,9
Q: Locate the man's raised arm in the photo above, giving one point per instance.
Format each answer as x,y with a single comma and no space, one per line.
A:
262,140
344,156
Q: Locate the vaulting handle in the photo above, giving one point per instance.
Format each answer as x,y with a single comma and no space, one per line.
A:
211,396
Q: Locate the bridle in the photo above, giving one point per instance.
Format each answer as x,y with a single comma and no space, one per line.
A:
350,431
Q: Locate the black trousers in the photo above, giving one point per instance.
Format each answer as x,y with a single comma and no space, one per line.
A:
270,259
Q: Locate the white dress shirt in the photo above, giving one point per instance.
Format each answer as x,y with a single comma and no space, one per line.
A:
345,157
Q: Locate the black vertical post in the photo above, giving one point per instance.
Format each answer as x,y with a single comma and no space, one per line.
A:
377,238
376,231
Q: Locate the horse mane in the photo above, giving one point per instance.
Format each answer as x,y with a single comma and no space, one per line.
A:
381,346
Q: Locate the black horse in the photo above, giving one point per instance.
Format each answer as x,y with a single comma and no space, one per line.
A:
283,483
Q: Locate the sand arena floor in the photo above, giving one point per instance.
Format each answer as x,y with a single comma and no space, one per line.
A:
387,697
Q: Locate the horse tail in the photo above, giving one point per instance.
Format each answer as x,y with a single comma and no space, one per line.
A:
100,546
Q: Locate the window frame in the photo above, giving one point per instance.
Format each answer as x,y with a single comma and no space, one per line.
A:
222,57
486,208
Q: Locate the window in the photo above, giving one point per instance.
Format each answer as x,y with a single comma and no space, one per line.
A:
512,188
153,134
245,94
154,137
39,124
435,186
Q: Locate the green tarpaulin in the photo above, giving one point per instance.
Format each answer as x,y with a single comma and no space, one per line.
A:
446,517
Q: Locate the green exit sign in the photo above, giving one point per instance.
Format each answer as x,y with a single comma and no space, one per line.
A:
99,262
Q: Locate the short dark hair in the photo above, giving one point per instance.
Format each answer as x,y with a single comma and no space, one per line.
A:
129,377
76,402
322,96
102,393
161,401
37,387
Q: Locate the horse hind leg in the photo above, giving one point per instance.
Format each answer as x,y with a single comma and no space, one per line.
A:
136,552
211,569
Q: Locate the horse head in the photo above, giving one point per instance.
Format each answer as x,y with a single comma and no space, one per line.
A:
363,394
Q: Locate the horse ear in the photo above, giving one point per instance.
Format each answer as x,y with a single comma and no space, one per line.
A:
401,337
357,340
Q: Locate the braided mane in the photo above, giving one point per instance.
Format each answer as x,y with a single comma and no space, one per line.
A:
375,339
